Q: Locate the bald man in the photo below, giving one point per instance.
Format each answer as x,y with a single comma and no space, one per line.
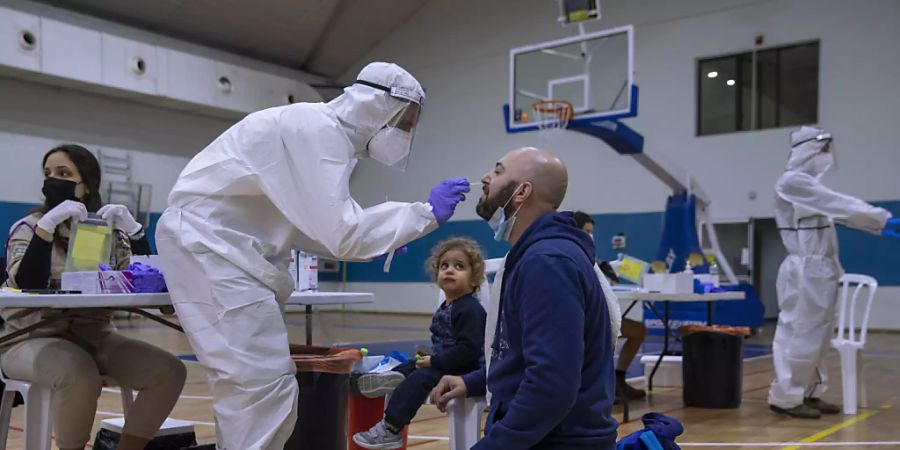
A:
550,370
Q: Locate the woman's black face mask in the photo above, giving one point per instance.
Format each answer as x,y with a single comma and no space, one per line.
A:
57,190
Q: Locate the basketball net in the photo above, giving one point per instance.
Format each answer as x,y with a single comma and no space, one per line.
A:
552,115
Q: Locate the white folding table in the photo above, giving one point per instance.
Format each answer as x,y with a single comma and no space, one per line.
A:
652,297
135,303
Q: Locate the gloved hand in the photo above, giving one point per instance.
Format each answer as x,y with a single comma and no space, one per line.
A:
121,219
69,209
445,196
398,252
892,228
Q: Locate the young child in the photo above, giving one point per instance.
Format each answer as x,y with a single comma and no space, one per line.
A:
457,338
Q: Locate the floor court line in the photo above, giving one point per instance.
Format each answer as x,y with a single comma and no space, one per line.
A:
115,414
429,438
833,429
792,444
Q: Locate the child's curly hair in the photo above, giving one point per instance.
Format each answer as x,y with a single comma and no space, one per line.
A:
469,247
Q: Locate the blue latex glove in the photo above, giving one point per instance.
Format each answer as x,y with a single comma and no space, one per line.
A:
445,196
398,252
892,228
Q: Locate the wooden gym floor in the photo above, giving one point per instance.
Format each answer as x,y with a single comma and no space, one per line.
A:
752,426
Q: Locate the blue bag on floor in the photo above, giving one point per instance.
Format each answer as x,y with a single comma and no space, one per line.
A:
659,433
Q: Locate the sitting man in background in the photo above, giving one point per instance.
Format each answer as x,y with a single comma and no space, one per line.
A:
633,331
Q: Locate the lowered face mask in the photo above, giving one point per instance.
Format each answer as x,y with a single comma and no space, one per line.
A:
502,225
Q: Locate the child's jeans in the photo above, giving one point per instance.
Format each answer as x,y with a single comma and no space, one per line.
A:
410,395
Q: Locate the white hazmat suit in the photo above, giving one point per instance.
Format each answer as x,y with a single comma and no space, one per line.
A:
805,213
278,179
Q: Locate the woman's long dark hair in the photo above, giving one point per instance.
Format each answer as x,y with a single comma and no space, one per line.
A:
89,169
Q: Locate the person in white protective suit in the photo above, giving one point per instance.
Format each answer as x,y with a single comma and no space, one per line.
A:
275,181
807,284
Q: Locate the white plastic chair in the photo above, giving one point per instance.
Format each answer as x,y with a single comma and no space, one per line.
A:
465,414
38,404
848,342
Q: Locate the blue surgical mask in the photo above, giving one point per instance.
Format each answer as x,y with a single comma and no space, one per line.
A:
499,223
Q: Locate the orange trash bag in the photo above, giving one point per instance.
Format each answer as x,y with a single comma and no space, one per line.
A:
725,329
324,359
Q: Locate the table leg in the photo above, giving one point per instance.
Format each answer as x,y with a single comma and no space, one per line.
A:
308,324
665,349
625,398
152,317
63,316
628,310
709,306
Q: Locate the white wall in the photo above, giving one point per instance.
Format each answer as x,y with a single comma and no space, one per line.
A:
458,49
34,118
128,32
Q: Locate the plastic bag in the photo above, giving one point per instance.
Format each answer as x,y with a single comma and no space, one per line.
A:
325,359
687,330
115,281
109,440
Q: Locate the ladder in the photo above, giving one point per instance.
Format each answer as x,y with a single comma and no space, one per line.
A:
119,188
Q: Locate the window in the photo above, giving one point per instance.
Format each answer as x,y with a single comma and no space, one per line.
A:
783,91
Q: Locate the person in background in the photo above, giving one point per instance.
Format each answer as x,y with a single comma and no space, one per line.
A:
633,331
74,356
457,338
807,284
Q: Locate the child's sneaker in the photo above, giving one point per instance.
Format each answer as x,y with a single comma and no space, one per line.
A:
374,385
378,437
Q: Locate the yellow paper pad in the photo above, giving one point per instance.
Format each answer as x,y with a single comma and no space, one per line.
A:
89,246
632,269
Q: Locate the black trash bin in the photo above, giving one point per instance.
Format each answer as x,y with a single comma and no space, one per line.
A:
323,374
712,369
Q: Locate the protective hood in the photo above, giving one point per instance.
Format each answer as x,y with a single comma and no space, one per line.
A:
808,151
380,93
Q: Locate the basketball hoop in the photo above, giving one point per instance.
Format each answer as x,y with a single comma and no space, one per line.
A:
552,114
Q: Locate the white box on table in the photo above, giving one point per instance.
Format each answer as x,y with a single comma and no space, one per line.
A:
86,282
669,283
92,282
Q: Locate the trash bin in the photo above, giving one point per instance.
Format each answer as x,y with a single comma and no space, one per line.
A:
363,411
323,374
712,366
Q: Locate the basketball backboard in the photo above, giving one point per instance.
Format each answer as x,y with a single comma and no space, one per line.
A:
592,71
578,11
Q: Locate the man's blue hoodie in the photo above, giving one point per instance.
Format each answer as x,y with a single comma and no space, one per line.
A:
552,377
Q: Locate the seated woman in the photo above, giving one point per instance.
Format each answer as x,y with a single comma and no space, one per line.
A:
71,356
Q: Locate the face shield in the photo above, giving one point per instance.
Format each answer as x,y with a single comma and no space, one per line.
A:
825,158
391,145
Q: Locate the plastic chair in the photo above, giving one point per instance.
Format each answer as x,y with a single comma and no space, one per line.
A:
38,404
465,421
848,342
